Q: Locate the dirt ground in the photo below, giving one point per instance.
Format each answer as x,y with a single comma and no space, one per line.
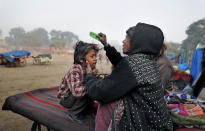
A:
15,80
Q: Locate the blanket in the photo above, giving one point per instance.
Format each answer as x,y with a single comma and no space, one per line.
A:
42,106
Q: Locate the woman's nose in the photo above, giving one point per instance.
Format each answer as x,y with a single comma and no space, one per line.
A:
123,42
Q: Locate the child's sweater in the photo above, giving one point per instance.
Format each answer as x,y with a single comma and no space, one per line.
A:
72,82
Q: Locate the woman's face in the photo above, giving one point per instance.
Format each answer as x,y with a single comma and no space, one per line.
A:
91,58
126,44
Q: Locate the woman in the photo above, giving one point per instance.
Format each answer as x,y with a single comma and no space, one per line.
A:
134,83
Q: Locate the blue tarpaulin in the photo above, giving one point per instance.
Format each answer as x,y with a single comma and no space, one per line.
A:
181,59
183,66
196,63
15,53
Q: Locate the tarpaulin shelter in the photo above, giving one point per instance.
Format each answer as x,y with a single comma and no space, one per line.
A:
196,63
15,54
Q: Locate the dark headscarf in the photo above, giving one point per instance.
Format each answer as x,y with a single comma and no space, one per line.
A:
145,38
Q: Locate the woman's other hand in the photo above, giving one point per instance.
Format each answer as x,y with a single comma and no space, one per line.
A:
102,38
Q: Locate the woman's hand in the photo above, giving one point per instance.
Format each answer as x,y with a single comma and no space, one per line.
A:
102,38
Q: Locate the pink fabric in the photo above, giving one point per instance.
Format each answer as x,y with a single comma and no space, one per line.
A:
104,116
172,106
193,110
178,109
118,112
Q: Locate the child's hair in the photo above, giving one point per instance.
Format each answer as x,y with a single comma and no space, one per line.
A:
82,49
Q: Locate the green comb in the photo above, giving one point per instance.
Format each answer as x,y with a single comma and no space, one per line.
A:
94,35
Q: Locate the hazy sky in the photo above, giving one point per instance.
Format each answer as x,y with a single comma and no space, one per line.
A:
112,17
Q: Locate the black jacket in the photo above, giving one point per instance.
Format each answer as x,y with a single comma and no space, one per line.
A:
139,87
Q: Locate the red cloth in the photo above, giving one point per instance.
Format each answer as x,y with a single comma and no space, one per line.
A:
180,74
104,116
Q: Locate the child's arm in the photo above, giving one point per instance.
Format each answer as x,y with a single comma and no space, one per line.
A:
63,87
76,81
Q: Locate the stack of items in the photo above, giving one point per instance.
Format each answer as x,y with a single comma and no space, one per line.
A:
186,111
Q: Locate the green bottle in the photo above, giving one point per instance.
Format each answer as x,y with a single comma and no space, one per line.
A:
94,35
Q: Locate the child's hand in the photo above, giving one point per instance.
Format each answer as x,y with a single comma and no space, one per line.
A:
102,38
89,69
95,71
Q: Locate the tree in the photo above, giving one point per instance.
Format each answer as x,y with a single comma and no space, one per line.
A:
42,35
69,37
66,36
36,37
16,36
173,48
58,44
55,35
195,35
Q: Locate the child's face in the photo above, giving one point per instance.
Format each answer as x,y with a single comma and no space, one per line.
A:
91,58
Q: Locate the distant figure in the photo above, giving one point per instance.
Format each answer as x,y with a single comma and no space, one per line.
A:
72,91
165,68
100,58
107,60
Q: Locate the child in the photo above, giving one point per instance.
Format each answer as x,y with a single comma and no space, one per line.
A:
72,91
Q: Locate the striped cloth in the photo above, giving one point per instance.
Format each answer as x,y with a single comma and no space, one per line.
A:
41,105
73,82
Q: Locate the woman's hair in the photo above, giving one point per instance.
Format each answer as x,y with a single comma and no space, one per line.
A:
82,49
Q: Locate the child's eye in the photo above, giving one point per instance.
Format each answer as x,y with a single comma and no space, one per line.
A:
93,56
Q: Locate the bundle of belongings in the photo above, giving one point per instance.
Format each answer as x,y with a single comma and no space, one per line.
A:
186,101
185,110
